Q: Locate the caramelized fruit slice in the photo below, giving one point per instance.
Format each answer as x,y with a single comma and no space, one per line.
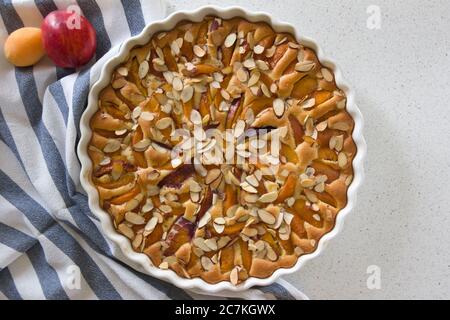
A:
176,178
180,233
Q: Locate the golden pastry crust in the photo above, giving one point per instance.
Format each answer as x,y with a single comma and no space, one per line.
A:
222,221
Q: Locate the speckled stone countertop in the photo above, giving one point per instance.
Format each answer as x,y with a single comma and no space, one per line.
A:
401,75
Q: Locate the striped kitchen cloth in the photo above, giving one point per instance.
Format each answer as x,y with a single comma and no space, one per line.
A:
51,246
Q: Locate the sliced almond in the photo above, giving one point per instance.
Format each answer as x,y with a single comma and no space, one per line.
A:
199,51
142,145
158,62
212,175
123,71
196,117
271,254
311,196
151,224
230,40
266,216
136,112
304,66
194,186
206,262
293,45
258,49
177,84
252,180
278,107
204,220
234,276
147,116
165,208
288,217
105,161
308,104
262,65
273,88
223,241
269,197
164,123
225,94
265,90
143,69
164,265
137,241
195,196
307,183
126,230
175,48
254,79
187,93
242,75
342,159
219,228
322,126
188,37
211,243
112,146
251,197
327,75
219,221
320,187
249,63
176,162
248,188
148,206
134,218
239,128
250,232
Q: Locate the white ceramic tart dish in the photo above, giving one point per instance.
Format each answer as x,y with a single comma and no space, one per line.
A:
156,139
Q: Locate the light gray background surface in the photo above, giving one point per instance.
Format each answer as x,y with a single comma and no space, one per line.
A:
401,75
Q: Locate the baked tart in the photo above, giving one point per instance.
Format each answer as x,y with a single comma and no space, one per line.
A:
252,196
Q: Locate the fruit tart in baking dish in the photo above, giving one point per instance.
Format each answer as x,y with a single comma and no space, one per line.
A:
222,149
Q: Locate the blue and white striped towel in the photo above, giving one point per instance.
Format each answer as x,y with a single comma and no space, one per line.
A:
46,227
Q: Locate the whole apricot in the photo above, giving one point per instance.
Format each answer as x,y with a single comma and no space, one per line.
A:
24,47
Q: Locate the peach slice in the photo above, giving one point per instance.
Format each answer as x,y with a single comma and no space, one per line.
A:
200,69
279,53
297,129
287,190
322,168
180,233
126,196
230,197
204,105
177,176
246,255
169,59
304,87
227,259
128,167
234,108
